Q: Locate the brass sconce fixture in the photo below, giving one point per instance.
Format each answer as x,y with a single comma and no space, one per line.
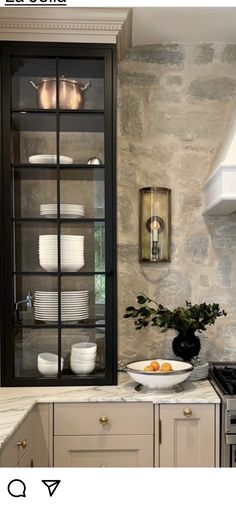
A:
154,242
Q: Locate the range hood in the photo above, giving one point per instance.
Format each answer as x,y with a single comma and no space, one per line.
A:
220,187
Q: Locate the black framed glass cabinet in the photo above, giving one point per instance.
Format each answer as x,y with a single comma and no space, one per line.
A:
58,241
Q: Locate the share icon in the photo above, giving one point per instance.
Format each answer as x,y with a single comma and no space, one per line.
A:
51,485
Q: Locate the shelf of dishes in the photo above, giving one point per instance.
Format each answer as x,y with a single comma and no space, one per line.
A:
38,350
82,247
80,83
75,306
82,360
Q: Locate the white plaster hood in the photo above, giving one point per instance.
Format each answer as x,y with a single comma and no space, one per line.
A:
220,187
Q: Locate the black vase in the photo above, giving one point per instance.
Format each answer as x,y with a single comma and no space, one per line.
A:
186,345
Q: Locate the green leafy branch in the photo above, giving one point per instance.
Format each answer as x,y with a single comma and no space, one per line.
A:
189,318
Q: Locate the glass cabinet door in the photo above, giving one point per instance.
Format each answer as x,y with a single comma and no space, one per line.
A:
58,174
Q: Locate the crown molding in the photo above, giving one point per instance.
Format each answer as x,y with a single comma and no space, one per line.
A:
106,26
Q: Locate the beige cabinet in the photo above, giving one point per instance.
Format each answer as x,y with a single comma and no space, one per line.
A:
31,443
27,461
185,435
103,435
103,451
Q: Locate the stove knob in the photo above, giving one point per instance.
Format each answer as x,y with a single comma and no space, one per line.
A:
188,412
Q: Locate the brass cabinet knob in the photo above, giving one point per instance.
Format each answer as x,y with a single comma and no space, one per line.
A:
103,420
22,443
188,412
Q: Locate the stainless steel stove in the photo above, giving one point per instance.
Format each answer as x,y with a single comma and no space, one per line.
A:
223,378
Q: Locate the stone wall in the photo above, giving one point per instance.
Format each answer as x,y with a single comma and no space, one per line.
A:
174,106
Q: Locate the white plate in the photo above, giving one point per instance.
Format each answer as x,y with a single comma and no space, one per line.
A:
49,159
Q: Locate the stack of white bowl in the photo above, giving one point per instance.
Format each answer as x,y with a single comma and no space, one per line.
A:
66,210
48,363
83,358
200,371
74,305
72,252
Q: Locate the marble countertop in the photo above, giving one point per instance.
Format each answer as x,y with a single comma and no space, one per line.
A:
15,403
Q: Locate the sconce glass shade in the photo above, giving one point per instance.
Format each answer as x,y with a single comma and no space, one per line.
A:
155,228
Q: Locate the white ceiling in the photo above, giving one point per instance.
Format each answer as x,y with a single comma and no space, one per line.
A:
184,24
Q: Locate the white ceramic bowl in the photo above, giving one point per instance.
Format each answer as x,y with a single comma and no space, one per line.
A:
78,353
82,368
82,361
84,348
49,368
48,357
159,380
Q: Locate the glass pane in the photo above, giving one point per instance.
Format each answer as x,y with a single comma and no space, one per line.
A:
26,289
84,187
33,138
36,70
82,85
82,137
96,295
34,251
86,247
33,189
74,364
31,345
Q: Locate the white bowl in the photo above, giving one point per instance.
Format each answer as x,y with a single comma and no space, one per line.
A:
64,267
159,380
48,370
82,361
82,368
83,357
48,357
84,347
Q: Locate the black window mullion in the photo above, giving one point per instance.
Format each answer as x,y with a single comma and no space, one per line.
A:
58,216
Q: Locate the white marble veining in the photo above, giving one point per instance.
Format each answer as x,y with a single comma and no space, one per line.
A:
15,403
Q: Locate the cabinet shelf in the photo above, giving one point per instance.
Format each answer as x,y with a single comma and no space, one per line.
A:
63,325
45,111
58,220
57,273
46,121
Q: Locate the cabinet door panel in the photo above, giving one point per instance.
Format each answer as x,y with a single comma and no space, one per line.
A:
27,460
109,451
187,441
85,419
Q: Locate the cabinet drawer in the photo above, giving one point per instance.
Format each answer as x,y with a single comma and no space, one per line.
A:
98,418
103,451
12,453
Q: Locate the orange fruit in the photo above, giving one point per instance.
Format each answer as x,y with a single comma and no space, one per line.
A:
149,368
155,365
166,367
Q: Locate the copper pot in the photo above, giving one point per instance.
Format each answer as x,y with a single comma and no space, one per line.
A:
71,93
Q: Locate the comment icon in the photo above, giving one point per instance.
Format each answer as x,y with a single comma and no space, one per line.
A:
17,488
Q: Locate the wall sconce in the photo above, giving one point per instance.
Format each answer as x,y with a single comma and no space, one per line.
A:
154,242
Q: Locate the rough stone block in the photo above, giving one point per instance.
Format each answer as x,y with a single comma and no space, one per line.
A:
212,88
204,53
131,116
229,54
169,54
197,248
130,79
174,79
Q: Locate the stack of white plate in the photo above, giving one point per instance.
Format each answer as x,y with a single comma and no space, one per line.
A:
200,371
74,305
72,252
83,357
66,210
49,159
